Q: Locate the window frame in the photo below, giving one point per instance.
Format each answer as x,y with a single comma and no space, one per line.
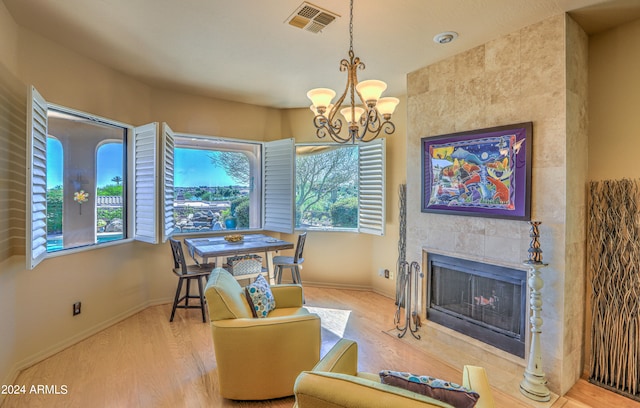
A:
277,163
371,188
36,183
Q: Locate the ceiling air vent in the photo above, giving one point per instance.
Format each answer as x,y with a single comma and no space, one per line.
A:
310,17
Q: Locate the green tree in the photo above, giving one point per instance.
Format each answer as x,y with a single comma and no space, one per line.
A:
110,190
54,210
117,180
241,210
235,164
320,173
344,213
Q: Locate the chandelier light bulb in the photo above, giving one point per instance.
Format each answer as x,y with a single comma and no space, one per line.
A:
371,90
346,112
321,97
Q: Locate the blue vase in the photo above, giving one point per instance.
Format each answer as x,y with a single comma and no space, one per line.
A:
231,223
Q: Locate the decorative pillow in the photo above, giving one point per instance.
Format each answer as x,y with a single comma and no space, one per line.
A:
260,297
445,391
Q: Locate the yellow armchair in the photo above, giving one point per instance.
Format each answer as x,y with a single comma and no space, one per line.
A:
260,358
335,382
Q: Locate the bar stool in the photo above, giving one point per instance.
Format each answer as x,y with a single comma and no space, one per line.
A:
290,262
188,273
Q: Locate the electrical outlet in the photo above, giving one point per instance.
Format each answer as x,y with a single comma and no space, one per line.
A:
77,308
387,273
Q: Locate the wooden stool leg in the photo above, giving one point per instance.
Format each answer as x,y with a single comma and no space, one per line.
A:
186,298
175,300
298,278
201,290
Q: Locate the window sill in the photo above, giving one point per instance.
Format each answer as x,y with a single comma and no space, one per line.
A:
84,248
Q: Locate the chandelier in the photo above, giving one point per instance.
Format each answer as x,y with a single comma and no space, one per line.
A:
364,122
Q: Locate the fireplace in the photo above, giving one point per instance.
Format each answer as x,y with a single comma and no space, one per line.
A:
483,301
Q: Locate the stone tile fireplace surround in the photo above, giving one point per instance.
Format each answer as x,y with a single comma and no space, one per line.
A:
538,74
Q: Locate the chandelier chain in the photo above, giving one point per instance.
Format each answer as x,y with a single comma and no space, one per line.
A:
351,26
352,70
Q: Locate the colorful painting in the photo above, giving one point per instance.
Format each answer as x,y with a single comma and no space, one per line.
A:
481,173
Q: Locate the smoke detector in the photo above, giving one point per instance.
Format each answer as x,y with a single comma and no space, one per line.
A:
311,18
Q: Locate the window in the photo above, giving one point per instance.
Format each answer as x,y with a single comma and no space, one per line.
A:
327,186
218,184
340,187
85,188
78,181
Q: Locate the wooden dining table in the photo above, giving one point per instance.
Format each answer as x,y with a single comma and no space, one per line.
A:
217,247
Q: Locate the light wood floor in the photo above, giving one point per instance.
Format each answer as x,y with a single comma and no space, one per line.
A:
145,361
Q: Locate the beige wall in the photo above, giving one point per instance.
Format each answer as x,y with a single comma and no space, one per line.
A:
614,119
614,103
115,281
520,77
8,40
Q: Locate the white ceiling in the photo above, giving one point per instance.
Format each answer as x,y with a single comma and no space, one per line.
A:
243,50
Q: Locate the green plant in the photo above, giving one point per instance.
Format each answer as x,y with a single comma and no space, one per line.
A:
242,213
344,213
224,214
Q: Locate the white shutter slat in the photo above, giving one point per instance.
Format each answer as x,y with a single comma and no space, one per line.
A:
371,187
168,222
145,185
36,229
278,173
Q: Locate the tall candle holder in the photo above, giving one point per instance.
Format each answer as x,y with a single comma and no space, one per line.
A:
534,384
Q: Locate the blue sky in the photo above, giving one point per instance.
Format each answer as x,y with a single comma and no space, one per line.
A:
193,167
109,163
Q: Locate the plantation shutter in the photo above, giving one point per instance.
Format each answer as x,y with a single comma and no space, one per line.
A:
167,186
278,183
371,187
145,186
36,212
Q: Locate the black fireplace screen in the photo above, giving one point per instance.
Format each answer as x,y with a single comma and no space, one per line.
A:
484,301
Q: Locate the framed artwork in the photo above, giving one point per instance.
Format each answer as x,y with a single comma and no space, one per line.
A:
484,173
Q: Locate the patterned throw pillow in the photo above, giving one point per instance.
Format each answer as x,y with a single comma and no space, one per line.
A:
445,391
260,297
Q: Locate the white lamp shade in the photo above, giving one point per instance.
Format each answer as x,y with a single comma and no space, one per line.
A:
346,112
387,105
321,97
371,89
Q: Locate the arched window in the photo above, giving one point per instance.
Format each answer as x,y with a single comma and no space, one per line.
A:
110,183
55,193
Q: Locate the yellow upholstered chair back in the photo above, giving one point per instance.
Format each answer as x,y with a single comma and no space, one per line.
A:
225,297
